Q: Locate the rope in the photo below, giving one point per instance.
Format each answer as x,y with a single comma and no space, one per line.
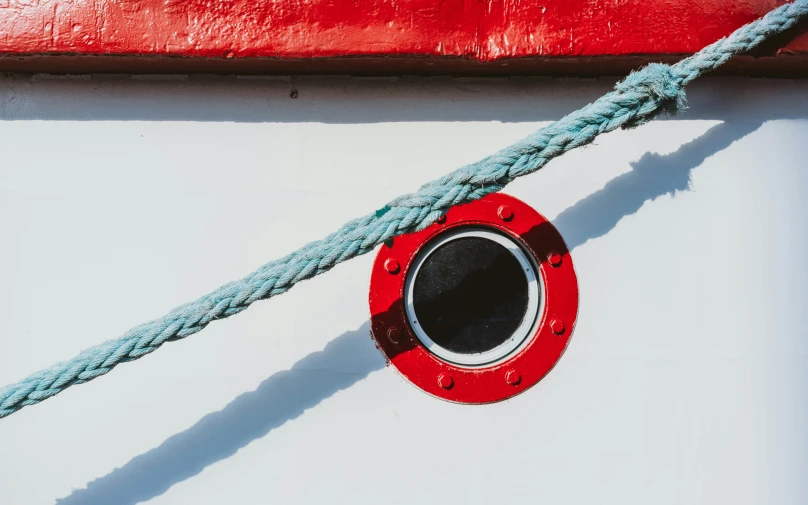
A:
639,98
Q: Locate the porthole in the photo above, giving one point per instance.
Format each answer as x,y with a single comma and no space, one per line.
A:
477,307
472,296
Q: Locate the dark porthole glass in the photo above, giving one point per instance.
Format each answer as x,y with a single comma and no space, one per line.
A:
470,295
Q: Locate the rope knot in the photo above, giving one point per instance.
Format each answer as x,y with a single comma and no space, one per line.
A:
660,86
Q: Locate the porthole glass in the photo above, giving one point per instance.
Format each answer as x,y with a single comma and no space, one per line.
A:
472,296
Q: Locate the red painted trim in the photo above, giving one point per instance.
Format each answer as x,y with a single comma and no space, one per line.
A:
422,36
395,338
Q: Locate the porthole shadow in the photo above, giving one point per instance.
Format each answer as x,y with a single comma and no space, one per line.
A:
280,398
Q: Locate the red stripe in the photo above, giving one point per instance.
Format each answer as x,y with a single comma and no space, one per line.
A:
405,30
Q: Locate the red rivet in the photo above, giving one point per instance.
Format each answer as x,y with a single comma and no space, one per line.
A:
441,219
392,266
393,335
445,381
557,326
513,378
505,213
554,258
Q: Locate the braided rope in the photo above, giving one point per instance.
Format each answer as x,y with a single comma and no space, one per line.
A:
639,98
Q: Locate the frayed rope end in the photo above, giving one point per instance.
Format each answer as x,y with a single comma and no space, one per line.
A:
384,210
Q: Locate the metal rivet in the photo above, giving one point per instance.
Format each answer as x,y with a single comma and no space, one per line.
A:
445,381
392,266
393,335
513,378
505,213
554,258
441,219
557,326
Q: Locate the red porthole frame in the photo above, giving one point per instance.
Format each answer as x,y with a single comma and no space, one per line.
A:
391,330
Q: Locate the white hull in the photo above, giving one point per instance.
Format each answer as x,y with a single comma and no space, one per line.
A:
685,381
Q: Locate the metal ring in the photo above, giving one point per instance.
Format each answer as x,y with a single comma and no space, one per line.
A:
519,336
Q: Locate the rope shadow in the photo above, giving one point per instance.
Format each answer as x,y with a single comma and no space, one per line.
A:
651,177
286,395
282,397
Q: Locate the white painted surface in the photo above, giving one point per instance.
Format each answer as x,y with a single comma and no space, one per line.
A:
685,381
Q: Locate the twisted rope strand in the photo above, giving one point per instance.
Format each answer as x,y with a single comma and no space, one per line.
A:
639,98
